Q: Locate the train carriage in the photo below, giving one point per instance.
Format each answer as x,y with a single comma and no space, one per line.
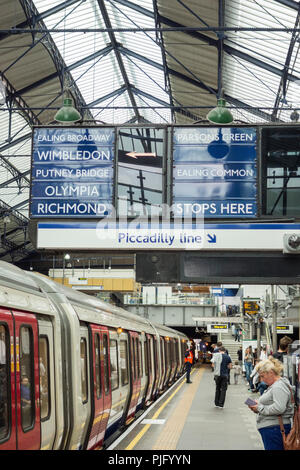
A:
75,370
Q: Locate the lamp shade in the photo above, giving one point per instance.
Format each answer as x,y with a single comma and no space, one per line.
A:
67,113
220,114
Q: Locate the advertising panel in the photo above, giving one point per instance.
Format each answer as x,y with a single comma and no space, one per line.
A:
72,172
214,172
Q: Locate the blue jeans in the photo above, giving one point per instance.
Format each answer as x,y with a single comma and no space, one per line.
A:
249,369
261,387
272,437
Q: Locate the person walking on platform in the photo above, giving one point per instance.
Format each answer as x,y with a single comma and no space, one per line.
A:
276,401
188,364
237,371
221,364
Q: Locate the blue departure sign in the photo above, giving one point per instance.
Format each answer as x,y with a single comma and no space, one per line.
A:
214,172
72,172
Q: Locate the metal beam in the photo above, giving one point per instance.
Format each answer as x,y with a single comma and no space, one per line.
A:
114,44
281,93
16,141
197,83
35,18
230,50
17,177
71,67
117,92
289,3
220,48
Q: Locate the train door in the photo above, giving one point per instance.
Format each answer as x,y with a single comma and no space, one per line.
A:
8,440
101,403
20,415
135,379
47,384
27,381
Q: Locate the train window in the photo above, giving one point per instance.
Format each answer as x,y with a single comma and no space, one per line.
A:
162,354
124,362
97,365
280,171
114,367
167,353
83,366
141,357
172,351
4,384
155,354
27,377
149,355
146,358
133,359
106,369
137,355
44,377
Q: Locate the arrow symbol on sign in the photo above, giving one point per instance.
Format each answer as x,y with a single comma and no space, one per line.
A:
211,238
136,154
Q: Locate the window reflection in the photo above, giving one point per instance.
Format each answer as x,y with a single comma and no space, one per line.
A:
281,171
140,172
44,376
27,379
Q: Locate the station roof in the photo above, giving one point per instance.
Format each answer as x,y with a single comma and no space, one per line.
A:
135,61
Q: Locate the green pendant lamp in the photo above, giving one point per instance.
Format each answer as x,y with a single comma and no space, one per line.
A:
220,114
67,114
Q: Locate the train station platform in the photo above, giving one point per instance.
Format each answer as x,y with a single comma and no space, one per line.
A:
185,418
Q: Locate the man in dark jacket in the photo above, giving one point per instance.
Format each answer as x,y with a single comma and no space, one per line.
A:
221,363
189,358
283,348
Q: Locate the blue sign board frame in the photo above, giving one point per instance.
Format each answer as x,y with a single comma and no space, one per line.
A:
72,172
215,172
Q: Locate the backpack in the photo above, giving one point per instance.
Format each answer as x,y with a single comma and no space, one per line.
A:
291,441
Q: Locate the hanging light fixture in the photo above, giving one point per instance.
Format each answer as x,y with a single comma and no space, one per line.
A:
220,114
67,114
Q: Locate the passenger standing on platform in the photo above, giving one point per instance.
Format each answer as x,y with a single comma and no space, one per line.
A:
221,363
240,355
263,353
283,347
248,363
188,364
237,333
275,401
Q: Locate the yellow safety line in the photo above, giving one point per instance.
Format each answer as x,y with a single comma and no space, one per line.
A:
147,426
169,436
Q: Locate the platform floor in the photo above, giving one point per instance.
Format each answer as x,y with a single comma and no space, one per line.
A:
185,418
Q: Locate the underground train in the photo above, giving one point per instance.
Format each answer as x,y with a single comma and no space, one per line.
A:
75,371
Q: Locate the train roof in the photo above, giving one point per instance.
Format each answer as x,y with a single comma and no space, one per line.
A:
34,286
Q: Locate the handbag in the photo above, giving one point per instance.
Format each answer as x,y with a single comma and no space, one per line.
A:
291,441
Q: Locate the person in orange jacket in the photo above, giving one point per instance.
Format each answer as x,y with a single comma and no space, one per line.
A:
189,358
